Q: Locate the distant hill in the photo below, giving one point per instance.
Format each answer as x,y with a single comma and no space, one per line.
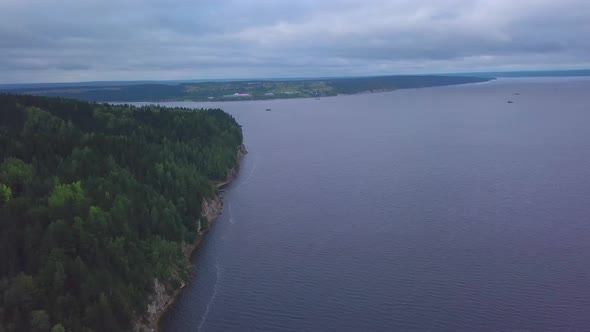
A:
236,90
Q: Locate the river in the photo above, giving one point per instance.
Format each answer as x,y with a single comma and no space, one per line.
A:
437,209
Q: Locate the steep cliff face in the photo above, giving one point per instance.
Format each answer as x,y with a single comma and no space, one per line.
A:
159,301
164,293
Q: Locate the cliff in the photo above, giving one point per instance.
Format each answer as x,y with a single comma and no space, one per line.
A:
164,293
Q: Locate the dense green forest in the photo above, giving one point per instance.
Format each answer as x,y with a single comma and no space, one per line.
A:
240,90
96,201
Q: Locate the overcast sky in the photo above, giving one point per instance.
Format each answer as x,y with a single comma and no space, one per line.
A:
87,40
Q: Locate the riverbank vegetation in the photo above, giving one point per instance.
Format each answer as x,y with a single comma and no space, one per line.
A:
96,201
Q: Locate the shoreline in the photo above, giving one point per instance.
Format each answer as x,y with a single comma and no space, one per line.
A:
160,300
252,99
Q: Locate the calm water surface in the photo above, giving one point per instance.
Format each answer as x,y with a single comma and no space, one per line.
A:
441,209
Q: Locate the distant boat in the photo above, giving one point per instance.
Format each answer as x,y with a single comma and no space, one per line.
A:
268,109
510,102
317,99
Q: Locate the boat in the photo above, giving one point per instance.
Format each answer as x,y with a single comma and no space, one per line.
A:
268,109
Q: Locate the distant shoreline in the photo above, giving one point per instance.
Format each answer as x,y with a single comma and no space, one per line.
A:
147,102
247,90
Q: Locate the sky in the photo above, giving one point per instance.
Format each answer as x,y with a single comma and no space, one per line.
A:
98,40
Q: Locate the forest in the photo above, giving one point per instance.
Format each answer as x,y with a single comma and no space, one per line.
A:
96,201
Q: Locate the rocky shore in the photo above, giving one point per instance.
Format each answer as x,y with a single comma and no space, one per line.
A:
164,294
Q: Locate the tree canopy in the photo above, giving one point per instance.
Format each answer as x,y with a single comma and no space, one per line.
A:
96,201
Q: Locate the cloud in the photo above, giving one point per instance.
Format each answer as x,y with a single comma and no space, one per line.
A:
42,40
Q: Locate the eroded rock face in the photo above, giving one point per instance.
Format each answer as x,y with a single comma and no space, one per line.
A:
212,208
161,298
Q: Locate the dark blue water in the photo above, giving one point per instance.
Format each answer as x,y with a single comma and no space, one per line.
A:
439,209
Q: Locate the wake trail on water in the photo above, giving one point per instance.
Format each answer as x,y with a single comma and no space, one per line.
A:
248,176
213,296
216,285
231,219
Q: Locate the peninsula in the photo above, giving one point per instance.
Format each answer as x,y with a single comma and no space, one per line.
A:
100,207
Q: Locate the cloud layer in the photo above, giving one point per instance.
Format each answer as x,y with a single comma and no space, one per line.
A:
56,41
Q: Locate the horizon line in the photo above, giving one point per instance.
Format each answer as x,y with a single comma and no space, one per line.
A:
585,71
